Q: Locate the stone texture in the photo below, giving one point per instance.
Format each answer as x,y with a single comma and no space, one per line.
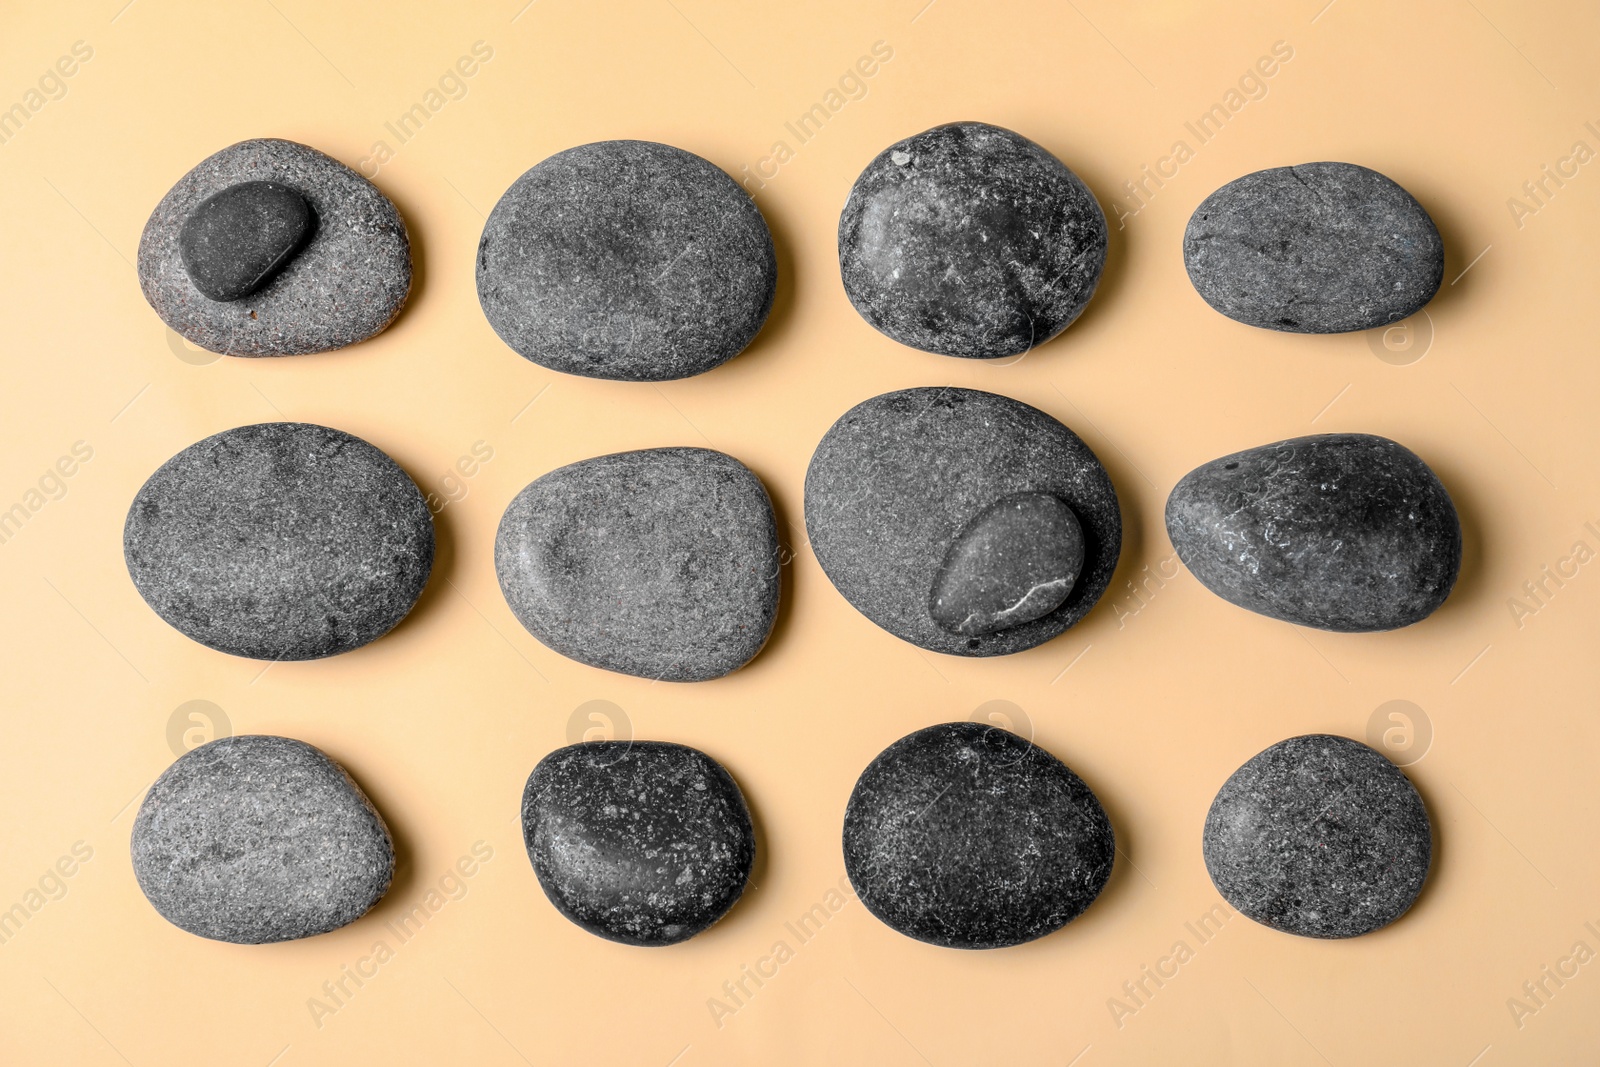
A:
968,836
642,842
661,563
1319,836
1015,562
898,479
970,240
255,839
238,239
1315,248
345,285
280,541
626,260
1346,532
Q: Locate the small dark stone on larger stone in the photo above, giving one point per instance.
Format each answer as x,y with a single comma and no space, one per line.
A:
1015,562
1319,836
642,842
968,836
1347,532
236,240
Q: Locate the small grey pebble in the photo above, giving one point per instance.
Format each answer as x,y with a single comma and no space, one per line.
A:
1315,248
900,479
627,260
970,240
1319,836
238,239
280,541
642,842
968,836
661,563
346,284
1347,532
1015,562
254,839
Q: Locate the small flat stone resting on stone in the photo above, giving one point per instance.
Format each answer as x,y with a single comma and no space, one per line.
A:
255,839
661,563
1315,248
1319,836
968,836
642,842
280,541
1346,532
237,239
627,260
961,521
970,240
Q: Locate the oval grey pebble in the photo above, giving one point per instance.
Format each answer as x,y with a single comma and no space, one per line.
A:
969,836
640,842
1016,562
627,260
255,839
970,240
280,541
1314,248
1319,836
239,239
1345,532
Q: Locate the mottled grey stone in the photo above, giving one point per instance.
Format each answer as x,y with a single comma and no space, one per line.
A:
256,839
627,260
896,482
1315,248
968,836
1319,836
345,285
642,842
661,563
1015,562
280,541
238,239
1342,531
970,240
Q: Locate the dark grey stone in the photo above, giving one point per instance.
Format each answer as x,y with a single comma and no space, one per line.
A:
1015,562
346,284
661,563
237,239
627,260
1315,248
899,479
255,839
642,842
970,240
1319,836
1339,531
280,541
968,836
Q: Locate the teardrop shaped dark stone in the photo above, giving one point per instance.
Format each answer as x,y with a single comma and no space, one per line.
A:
237,240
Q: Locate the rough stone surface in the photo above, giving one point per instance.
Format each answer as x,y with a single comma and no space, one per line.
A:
347,284
255,839
1319,836
627,260
661,563
236,240
896,481
280,541
1346,532
642,842
970,240
1315,248
969,836
1015,562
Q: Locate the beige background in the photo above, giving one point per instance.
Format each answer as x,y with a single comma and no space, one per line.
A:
1154,699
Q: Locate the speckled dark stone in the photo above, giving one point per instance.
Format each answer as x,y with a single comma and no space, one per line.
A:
346,284
1319,836
280,541
255,839
968,836
627,260
642,842
1343,531
896,481
1015,562
970,240
238,239
661,563
1315,248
